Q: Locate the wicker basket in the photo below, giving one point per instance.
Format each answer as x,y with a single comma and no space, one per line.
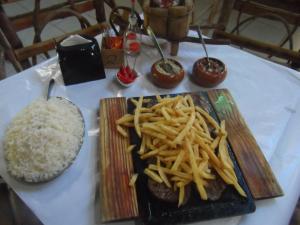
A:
171,23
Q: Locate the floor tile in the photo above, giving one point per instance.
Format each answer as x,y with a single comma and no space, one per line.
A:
26,36
51,31
90,16
270,34
296,39
9,69
13,9
68,25
27,4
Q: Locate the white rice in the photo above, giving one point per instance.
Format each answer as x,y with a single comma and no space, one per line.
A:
43,139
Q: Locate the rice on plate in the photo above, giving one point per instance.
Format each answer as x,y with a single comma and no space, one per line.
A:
43,139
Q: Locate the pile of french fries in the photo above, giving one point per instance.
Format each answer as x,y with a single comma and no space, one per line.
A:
178,135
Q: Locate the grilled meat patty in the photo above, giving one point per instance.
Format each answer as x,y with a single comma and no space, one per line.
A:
162,192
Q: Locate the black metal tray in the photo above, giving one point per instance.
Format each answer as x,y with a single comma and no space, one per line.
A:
154,211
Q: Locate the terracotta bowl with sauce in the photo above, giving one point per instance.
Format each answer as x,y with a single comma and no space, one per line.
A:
165,77
209,76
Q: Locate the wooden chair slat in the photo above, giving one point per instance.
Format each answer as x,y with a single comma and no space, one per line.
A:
44,46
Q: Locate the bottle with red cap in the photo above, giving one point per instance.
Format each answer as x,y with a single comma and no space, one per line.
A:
132,48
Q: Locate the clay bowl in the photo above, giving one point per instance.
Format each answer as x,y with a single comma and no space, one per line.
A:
163,79
209,77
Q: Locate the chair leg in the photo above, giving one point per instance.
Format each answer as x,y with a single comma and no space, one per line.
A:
100,10
9,53
2,67
11,36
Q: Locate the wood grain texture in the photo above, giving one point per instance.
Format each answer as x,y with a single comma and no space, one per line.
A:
118,200
256,170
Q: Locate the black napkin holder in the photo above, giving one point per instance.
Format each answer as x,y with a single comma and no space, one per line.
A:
81,63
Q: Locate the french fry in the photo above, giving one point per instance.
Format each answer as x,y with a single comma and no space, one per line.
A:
130,148
208,117
135,102
168,171
122,131
186,168
168,129
196,176
163,102
158,98
153,175
222,153
153,133
203,124
143,145
163,175
181,195
169,153
133,180
136,116
156,141
178,135
215,143
154,152
146,116
183,133
165,114
125,119
178,160
146,110
128,124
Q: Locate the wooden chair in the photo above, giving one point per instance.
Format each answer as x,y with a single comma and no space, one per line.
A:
2,63
19,55
286,14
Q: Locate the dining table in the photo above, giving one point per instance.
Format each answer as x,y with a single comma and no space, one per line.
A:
267,95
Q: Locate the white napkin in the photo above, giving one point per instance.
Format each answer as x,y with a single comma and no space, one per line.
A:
74,40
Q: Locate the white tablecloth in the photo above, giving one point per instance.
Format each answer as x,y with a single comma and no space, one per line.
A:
268,96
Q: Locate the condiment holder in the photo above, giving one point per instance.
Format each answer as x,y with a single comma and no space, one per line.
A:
165,73
167,79
208,72
126,76
80,59
112,52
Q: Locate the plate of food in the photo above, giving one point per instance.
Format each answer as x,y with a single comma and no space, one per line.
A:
184,169
43,140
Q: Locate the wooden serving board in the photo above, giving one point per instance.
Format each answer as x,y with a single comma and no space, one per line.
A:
119,201
256,170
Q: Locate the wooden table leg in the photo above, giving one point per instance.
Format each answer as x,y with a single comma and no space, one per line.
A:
226,10
174,48
100,10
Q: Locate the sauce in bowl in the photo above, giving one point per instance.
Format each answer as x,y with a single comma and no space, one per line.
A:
209,75
167,74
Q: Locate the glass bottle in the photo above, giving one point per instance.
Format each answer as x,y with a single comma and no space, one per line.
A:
132,39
